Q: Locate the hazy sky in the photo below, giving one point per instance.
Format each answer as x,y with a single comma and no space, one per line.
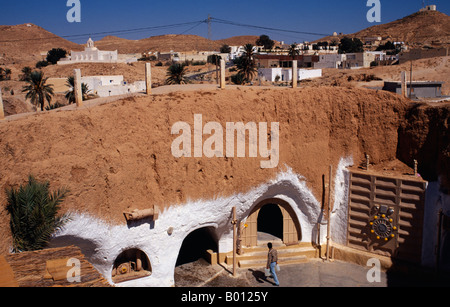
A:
319,16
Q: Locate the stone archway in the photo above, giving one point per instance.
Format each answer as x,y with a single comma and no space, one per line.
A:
291,230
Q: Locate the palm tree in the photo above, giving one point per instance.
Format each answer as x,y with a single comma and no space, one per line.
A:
293,51
26,72
38,91
246,65
70,94
176,74
33,214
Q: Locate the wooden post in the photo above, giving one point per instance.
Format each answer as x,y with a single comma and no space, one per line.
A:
403,84
222,73
234,222
148,78
77,88
329,214
294,74
2,112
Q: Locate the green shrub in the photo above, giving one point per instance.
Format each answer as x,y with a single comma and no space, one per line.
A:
33,214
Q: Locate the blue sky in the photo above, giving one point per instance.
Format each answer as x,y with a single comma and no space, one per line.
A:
319,16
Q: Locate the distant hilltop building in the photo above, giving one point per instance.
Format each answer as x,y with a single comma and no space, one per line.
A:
429,8
91,54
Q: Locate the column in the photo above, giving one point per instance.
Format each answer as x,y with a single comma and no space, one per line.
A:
148,78
294,74
222,73
77,88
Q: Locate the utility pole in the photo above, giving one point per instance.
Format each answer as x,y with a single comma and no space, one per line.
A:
209,27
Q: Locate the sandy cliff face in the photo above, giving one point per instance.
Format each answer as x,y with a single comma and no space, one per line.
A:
118,156
425,136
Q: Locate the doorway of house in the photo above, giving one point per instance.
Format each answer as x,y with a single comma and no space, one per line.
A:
271,220
195,245
270,224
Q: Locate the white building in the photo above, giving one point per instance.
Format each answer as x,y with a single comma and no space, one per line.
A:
332,60
91,54
285,74
105,86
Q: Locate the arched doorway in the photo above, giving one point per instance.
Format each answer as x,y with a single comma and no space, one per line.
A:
275,218
270,223
196,244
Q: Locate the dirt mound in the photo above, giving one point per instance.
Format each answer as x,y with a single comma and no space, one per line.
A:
117,156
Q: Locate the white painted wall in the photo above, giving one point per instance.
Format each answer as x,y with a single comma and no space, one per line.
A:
102,243
269,74
105,86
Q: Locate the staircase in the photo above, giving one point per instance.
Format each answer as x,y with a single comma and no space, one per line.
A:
256,257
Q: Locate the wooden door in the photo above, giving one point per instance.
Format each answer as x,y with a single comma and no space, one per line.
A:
290,234
250,233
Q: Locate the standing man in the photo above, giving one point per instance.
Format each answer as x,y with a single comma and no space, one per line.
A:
272,261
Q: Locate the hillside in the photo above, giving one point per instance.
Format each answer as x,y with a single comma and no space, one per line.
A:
25,43
28,43
419,29
165,43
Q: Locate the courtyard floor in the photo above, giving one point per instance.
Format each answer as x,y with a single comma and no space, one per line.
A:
314,273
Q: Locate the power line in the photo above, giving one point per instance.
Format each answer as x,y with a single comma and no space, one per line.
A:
193,25
265,28
128,31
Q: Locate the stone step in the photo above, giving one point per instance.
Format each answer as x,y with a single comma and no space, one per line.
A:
257,256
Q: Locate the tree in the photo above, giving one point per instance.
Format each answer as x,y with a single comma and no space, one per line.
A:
349,45
70,94
388,46
293,51
246,65
265,41
56,54
26,72
33,214
5,74
176,74
38,91
225,49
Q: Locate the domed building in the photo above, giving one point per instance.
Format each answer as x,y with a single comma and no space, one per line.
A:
91,54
